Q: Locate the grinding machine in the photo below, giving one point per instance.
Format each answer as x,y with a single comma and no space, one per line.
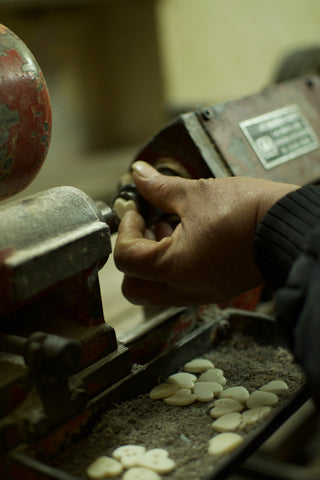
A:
61,363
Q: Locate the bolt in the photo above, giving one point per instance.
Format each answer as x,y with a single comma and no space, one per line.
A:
310,83
207,114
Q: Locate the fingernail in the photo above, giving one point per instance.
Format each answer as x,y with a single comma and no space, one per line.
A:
143,169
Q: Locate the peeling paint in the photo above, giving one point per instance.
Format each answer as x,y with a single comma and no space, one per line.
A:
3,153
4,176
25,115
44,139
36,113
8,118
8,163
29,64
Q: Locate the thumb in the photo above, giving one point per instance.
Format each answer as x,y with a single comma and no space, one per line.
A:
162,191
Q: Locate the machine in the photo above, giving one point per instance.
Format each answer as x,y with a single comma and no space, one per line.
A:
61,363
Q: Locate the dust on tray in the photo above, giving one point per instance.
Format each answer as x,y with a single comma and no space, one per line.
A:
184,431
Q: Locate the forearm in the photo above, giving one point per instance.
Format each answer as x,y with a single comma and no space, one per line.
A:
283,232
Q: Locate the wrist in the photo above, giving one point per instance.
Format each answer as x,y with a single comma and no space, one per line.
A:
271,193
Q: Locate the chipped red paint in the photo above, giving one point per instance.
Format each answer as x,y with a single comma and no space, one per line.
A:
25,115
59,437
246,301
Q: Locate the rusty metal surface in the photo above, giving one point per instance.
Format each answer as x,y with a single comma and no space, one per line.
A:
25,115
54,399
53,334
210,142
105,372
222,125
212,330
17,379
37,396
46,238
15,385
185,141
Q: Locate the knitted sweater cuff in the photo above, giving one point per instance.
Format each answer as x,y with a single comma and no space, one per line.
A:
283,233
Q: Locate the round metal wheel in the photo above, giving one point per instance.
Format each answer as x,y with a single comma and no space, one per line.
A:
25,115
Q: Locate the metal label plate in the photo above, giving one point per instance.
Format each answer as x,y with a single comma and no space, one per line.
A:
280,136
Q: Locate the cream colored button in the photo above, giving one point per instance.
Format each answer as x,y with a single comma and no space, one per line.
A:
224,406
140,473
224,443
198,365
205,391
181,398
157,460
128,454
121,206
227,422
253,415
261,399
104,467
183,379
125,450
213,375
237,393
163,390
278,387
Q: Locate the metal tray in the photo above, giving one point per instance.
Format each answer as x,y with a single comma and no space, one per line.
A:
212,329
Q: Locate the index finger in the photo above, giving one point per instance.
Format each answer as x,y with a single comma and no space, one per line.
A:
136,255
131,226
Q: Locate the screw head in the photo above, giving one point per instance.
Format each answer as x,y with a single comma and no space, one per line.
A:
207,114
310,83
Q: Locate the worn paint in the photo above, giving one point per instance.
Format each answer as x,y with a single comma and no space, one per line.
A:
228,139
8,119
25,115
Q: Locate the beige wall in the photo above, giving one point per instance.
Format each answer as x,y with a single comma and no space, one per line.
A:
215,50
101,63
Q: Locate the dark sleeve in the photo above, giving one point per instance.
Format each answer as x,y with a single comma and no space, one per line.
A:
287,252
283,231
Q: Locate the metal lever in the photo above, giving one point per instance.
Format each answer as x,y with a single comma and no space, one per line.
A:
43,351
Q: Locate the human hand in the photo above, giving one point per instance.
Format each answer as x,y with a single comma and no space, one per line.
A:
208,257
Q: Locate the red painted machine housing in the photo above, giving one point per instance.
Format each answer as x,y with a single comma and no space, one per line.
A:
25,115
